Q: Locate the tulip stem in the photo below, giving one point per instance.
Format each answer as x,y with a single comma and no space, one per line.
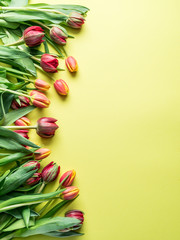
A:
20,127
35,58
41,24
20,77
18,42
14,92
41,187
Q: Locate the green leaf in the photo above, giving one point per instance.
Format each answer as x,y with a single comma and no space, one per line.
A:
18,225
63,234
48,225
19,3
56,208
6,24
27,188
12,145
26,216
12,53
12,157
17,213
4,220
16,114
4,132
12,70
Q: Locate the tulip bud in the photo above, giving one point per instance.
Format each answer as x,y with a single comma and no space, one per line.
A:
46,127
71,64
58,35
75,20
70,193
41,153
41,85
33,36
61,87
75,214
23,133
34,179
23,121
39,99
36,164
50,172
69,180
49,63
24,102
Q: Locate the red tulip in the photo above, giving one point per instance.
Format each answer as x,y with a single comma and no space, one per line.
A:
24,102
61,87
23,133
46,127
49,63
75,20
71,64
70,193
58,35
41,85
36,164
39,99
23,121
34,179
33,36
50,172
75,214
69,180
41,153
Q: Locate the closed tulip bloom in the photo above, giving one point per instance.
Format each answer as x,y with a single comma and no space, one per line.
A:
75,214
70,193
75,20
61,87
71,64
46,127
34,179
23,133
24,102
69,180
23,121
39,99
50,172
41,153
36,164
41,85
33,36
58,35
49,63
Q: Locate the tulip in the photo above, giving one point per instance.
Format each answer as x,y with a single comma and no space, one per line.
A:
75,20
33,36
50,172
41,85
36,164
34,179
39,99
41,153
23,121
61,87
71,64
69,176
46,127
75,214
24,102
49,63
70,193
23,133
58,35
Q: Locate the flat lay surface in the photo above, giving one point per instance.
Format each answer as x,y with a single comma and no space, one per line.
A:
120,124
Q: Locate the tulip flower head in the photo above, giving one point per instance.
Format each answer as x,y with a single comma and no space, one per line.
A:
39,99
58,35
41,85
34,179
36,164
69,176
33,36
24,102
41,153
70,193
23,121
46,127
50,172
61,87
71,64
49,63
23,133
75,20
76,214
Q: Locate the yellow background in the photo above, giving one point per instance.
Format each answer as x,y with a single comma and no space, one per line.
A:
120,124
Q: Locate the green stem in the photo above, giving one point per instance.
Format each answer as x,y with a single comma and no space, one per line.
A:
41,24
35,58
14,92
19,42
42,187
20,127
38,67
20,77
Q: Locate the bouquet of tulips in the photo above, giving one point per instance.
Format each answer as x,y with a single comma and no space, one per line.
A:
23,29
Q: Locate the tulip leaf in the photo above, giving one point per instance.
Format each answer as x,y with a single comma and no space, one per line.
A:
47,225
27,189
16,114
10,144
4,220
6,133
12,53
58,234
17,213
12,25
18,225
56,208
12,157
26,216
19,3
